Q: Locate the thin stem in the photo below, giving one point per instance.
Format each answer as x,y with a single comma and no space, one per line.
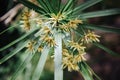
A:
58,73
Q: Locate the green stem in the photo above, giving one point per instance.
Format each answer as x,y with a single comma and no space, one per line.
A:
58,72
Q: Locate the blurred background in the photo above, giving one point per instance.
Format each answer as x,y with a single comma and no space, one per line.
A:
107,67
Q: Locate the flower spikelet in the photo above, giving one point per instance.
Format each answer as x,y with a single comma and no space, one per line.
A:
49,41
40,49
71,61
25,21
90,37
76,46
73,23
30,45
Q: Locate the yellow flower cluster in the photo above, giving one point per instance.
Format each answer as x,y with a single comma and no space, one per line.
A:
71,61
45,30
75,46
49,41
90,37
30,45
38,21
40,49
72,24
46,36
57,18
25,20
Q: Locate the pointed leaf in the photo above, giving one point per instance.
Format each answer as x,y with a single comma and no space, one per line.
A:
44,5
40,66
51,8
100,13
67,6
26,61
6,30
85,73
32,6
103,28
85,5
93,73
23,65
12,53
106,49
17,40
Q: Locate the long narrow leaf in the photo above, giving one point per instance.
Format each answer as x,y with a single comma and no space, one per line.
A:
41,63
12,53
103,28
22,66
6,30
17,40
59,5
100,13
92,72
67,6
85,73
44,5
26,61
51,8
55,4
32,6
106,49
85,5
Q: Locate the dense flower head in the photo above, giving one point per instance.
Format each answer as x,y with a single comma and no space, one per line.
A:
49,41
25,20
30,45
75,46
71,61
58,17
90,37
73,23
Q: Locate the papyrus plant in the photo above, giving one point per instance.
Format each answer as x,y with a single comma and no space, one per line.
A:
51,25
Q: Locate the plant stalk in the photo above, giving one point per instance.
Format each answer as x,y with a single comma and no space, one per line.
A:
58,72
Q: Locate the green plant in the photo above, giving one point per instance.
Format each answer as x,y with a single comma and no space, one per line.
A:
52,27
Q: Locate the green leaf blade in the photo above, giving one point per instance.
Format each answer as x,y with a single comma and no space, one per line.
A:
100,13
84,71
11,54
84,6
22,66
19,39
106,49
32,6
67,6
44,5
40,66
102,28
